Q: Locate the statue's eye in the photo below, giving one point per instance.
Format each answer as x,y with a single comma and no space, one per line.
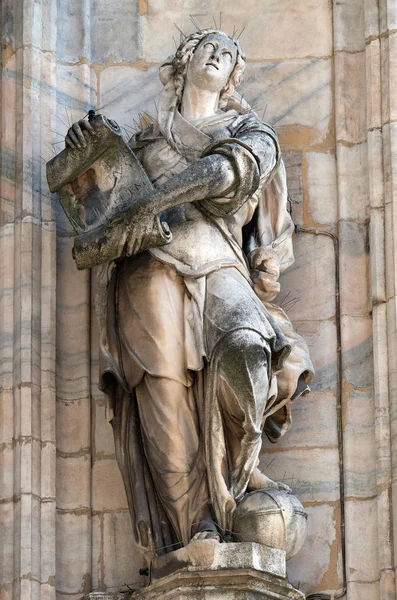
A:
227,53
209,45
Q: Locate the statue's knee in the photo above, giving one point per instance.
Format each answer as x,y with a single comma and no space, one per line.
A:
243,343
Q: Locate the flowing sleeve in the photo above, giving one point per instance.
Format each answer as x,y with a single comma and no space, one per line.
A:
254,154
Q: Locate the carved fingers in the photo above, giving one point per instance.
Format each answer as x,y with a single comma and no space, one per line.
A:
76,135
265,260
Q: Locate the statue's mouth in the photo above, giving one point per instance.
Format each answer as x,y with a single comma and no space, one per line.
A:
210,64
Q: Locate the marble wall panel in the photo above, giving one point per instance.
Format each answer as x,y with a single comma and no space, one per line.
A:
72,435
362,545
73,40
364,591
357,354
375,168
371,17
264,23
320,337
321,187
293,164
313,422
316,567
292,94
115,31
389,134
7,545
350,111
387,16
388,73
97,565
352,181
107,486
73,336
303,470
308,287
103,433
359,446
74,562
350,17
128,91
7,306
73,482
354,268
373,79
121,555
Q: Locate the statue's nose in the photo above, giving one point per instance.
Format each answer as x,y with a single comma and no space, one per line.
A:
215,56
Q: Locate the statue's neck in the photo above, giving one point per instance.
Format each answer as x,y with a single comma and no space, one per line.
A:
198,103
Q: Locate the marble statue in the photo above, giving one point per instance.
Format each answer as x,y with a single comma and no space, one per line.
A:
195,358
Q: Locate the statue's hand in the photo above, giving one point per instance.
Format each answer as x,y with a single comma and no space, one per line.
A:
265,260
138,232
265,271
76,135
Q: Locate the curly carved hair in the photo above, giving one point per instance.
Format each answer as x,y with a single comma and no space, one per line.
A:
184,53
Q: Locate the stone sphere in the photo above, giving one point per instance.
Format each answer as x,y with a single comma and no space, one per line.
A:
273,518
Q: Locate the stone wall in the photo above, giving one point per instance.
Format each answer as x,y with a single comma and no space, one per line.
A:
325,76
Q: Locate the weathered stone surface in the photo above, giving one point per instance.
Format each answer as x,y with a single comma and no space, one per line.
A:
321,187
73,369
357,350
351,117
359,444
73,532
314,424
317,566
349,30
73,434
282,98
321,339
308,286
128,91
361,550
303,470
387,16
388,72
107,486
209,570
117,31
70,470
104,443
373,76
203,555
293,164
354,265
352,182
121,556
261,38
73,39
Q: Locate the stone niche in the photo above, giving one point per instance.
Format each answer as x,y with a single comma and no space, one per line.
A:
323,74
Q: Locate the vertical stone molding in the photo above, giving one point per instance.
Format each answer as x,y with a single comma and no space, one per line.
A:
27,302
388,122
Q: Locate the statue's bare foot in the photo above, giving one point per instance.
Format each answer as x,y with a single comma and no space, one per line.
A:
259,481
207,535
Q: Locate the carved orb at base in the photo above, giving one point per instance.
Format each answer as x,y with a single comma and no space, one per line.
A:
273,518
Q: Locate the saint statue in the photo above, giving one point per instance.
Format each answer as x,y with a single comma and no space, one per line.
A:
196,360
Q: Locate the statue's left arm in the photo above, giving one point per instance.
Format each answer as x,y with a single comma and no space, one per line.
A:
227,174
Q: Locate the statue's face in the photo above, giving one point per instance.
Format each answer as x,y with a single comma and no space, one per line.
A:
212,62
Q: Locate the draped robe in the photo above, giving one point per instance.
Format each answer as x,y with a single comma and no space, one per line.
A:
154,320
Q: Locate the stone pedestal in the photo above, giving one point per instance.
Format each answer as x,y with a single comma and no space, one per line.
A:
208,570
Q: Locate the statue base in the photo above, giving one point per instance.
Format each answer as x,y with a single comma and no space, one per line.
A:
208,570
